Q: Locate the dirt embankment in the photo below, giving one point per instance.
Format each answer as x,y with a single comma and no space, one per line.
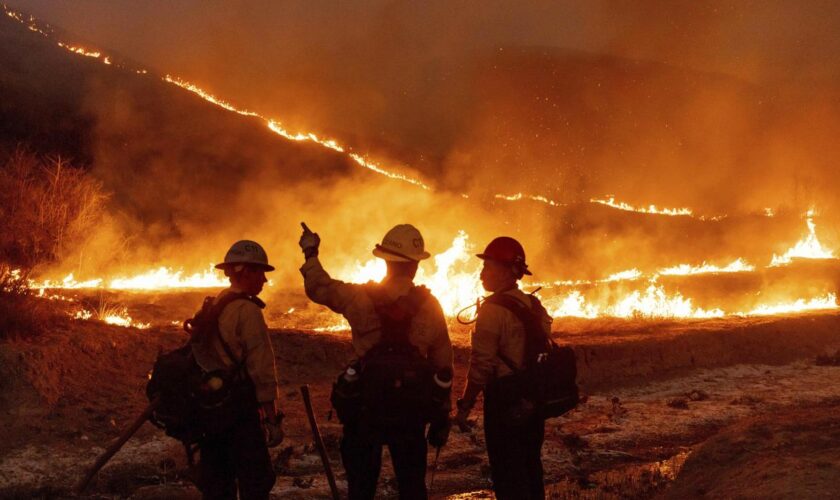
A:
622,354
792,454
95,374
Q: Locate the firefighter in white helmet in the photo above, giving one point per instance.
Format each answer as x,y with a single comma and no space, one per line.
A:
402,378
239,455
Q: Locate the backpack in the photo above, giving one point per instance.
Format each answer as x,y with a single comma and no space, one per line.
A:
396,380
548,380
193,403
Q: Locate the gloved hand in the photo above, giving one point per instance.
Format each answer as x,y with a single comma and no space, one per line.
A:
271,420
273,430
439,431
309,241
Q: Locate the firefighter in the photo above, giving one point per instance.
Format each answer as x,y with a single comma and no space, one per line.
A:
371,420
498,347
239,455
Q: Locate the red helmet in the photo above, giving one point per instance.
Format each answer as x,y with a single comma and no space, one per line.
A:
506,250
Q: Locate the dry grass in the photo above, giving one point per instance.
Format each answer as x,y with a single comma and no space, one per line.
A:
21,313
46,208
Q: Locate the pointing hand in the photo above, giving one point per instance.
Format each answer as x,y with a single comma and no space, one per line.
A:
309,241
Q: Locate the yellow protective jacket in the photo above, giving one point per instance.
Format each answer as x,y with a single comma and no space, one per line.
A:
243,327
498,331
428,328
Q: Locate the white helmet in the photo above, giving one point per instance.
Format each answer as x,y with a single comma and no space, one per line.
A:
403,243
246,252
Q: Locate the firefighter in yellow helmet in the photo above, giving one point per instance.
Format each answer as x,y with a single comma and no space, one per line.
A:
403,374
238,456
513,437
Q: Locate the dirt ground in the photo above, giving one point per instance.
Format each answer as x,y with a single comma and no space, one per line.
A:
66,395
786,454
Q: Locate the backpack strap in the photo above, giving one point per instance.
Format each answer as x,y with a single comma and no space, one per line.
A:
216,312
395,315
523,313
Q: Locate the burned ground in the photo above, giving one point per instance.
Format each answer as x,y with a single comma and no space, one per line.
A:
67,393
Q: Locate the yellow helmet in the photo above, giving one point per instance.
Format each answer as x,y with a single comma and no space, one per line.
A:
403,243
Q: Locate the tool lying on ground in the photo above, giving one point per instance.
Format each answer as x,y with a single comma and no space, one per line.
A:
115,447
319,442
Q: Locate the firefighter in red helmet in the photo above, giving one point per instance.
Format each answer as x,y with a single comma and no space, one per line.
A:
514,438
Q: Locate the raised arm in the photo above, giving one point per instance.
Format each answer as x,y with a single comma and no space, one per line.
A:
324,290
319,286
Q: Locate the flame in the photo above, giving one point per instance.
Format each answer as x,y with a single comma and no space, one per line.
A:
273,125
154,279
829,301
124,320
341,326
630,274
807,248
736,266
68,282
572,305
654,302
626,275
208,96
650,209
84,314
82,51
118,317
523,196
454,281
611,202
164,277
278,129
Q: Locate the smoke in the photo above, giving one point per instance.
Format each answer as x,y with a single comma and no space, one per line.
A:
724,108
695,93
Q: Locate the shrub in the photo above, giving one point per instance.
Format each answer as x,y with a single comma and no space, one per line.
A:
21,313
46,207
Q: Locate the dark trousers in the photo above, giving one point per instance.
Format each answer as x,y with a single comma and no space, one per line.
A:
238,456
361,454
514,453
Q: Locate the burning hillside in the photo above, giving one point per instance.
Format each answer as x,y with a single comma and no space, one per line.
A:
652,280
